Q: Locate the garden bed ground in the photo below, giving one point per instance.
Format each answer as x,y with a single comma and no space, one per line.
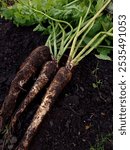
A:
82,116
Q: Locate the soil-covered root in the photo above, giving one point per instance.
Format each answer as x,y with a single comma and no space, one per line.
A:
60,80
35,60
47,72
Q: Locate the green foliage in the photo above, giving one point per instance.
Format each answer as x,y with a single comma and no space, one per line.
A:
42,12
97,27
99,4
104,53
58,9
100,142
106,21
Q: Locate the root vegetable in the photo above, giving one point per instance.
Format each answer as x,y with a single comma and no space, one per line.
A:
48,70
35,60
60,80
76,37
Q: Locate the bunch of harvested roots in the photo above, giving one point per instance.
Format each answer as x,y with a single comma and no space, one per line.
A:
40,57
47,58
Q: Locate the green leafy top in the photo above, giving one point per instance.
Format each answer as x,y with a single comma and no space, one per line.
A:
68,10
59,15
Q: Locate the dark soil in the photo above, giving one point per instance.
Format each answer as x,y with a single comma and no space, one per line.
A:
82,116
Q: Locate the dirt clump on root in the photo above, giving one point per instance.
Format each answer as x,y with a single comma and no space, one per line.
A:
81,118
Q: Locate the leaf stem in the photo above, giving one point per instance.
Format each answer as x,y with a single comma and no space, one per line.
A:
75,40
90,3
61,50
54,40
84,53
71,3
93,18
81,40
